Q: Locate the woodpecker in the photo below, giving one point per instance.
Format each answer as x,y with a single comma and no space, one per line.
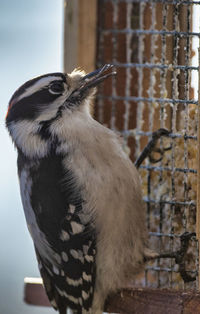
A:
81,193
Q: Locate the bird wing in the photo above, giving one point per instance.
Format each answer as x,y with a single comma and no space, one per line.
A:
64,241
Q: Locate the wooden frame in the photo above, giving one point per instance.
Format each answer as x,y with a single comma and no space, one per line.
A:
140,301
80,34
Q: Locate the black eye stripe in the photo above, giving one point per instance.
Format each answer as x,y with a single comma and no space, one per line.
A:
26,103
19,92
28,107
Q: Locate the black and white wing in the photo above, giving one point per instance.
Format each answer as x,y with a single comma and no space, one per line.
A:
64,241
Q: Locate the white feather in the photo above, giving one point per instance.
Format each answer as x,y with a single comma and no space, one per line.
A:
24,134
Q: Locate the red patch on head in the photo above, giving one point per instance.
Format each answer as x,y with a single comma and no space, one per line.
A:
10,105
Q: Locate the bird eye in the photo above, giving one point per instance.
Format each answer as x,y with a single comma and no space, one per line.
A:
56,88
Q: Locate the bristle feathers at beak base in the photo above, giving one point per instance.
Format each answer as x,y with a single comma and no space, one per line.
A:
86,83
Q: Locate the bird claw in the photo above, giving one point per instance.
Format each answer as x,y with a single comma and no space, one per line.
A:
160,151
150,148
179,256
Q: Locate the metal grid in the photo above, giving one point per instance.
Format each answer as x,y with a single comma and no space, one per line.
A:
153,45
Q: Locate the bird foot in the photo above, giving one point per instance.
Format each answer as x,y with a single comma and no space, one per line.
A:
151,147
178,255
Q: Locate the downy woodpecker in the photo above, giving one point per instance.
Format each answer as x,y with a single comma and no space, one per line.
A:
80,192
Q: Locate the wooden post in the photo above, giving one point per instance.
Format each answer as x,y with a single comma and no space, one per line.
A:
80,34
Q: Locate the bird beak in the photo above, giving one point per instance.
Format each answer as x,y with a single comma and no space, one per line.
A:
96,77
87,82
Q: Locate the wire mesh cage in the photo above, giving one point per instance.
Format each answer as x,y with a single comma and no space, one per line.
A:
154,47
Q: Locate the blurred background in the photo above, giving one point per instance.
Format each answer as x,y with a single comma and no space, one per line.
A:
31,44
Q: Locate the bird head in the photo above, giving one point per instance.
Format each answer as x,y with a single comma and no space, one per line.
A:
50,99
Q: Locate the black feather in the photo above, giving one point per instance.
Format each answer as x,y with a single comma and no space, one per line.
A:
54,191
